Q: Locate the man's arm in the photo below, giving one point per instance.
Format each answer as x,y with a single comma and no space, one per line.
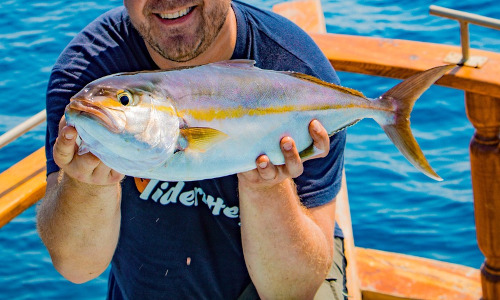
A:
79,217
288,248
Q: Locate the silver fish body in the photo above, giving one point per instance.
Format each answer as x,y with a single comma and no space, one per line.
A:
214,120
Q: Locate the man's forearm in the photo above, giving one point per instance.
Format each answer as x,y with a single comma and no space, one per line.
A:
79,224
286,251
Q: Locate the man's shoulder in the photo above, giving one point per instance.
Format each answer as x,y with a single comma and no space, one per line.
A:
109,44
100,29
280,44
112,18
271,24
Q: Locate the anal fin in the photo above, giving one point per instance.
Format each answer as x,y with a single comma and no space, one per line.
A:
310,152
344,127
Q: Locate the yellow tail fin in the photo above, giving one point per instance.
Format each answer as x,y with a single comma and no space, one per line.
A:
402,97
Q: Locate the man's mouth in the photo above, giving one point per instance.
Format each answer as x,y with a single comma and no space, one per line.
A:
176,15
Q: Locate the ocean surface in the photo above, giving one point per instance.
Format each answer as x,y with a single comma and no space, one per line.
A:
393,206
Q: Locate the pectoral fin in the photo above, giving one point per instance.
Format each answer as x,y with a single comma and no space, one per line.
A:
202,138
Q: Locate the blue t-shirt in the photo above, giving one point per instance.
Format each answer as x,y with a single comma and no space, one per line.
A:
182,240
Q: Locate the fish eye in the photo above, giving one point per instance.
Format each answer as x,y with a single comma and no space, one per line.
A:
125,98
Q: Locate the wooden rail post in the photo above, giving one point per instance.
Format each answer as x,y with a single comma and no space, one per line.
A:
484,113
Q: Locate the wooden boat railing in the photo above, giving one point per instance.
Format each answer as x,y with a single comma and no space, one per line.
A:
401,59
378,275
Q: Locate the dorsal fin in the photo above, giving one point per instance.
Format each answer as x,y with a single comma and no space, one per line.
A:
237,63
324,83
202,138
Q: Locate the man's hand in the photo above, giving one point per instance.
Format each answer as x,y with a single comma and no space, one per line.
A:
79,217
267,175
85,168
280,236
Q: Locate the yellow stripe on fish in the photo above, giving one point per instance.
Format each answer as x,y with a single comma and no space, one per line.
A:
166,109
210,114
160,124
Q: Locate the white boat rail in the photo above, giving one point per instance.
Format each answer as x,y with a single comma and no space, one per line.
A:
22,128
464,18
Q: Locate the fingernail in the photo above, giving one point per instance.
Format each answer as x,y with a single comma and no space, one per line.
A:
287,146
69,135
263,164
316,126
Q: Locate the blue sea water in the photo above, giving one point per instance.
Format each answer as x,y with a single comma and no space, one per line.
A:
393,206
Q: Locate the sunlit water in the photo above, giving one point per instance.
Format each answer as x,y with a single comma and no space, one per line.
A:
394,207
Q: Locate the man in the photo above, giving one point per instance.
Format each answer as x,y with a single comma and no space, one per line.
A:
269,229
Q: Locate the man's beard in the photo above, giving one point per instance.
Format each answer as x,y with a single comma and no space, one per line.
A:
179,48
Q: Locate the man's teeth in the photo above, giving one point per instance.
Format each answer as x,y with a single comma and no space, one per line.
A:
176,15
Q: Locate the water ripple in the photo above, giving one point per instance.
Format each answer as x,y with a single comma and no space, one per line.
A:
394,207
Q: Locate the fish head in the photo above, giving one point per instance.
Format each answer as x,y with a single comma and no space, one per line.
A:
123,122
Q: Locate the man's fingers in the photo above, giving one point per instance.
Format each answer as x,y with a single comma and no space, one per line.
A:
293,163
65,146
115,176
320,138
62,124
267,173
85,168
266,169
102,174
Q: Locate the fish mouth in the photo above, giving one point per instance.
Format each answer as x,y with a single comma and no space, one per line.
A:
112,119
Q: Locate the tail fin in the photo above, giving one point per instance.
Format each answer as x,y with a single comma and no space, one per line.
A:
402,97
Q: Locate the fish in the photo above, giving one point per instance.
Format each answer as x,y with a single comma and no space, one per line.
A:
214,120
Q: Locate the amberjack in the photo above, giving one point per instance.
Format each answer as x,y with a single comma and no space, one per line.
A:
216,119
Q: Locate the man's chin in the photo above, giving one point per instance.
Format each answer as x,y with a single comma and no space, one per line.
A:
180,55
181,58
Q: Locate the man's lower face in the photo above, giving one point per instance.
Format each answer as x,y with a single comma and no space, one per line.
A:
184,33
